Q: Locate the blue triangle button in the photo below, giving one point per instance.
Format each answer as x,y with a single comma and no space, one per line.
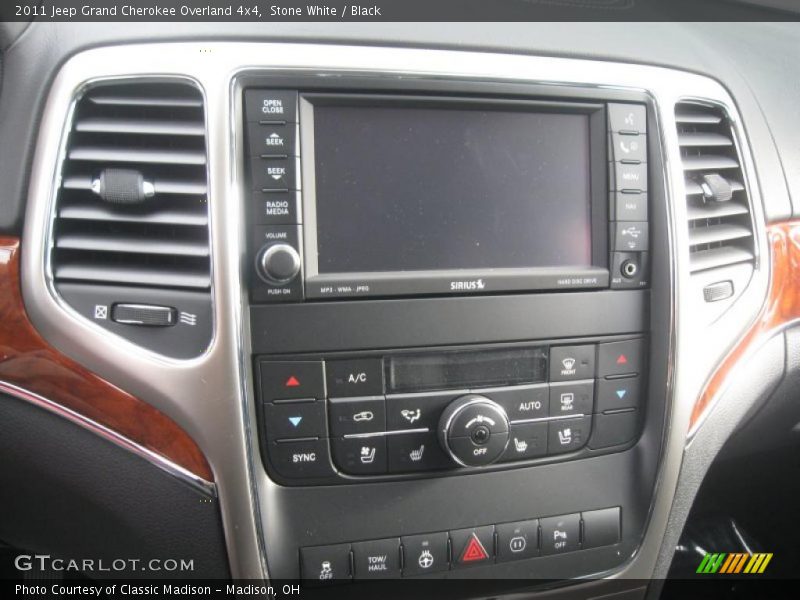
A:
621,393
295,420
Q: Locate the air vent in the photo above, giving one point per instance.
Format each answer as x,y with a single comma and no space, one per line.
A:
720,225
131,215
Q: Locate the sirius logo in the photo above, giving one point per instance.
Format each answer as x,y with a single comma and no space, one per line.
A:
467,286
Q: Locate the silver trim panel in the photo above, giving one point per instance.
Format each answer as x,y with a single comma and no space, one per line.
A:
211,396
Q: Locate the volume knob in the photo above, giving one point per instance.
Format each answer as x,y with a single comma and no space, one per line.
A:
278,264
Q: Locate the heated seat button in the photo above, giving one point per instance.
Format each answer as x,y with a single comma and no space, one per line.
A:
360,377
601,527
377,559
567,435
474,546
301,459
516,541
521,402
357,415
571,399
360,456
526,440
410,452
271,105
281,380
615,394
294,420
560,534
620,358
424,554
325,563
570,363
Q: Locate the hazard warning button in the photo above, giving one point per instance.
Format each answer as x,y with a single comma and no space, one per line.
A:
290,380
474,546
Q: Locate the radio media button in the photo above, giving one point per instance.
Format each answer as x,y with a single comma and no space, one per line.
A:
358,377
627,176
425,553
629,148
630,236
571,399
357,415
272,139
417,411
325,563
570,363
616,394
361,455
288,420
560,534
377,559
629,206
521,402
301,458
275,208
270,105
410,452
627,117
620,358
283,380
473,546
567,435
274,174
517,541
526,440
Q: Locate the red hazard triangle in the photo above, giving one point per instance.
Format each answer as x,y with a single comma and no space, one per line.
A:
292,382
622,360
474,550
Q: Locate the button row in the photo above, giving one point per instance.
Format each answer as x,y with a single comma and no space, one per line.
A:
414,555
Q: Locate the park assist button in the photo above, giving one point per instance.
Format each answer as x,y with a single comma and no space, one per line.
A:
424,554
473,546
570,363
359,377
560,534
377,559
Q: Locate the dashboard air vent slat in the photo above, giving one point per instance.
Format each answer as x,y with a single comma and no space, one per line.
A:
718,208
155,133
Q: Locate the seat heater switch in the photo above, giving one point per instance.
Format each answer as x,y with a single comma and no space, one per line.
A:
147,315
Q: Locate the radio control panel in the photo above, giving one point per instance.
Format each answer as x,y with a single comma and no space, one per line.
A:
333,420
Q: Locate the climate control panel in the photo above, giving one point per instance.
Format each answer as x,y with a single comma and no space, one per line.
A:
336,420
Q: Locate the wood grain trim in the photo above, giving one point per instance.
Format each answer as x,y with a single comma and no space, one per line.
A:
29,362
781,307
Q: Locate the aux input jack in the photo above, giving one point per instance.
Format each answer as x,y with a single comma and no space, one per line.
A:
629,269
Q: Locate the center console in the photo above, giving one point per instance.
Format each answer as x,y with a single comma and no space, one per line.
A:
450,310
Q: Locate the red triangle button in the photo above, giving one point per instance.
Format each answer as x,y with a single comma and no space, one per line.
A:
292,382
474,550
622,360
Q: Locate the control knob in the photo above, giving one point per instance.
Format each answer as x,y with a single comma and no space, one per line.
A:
473,430
278,264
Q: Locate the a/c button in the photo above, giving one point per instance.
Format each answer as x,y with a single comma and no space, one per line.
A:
359,377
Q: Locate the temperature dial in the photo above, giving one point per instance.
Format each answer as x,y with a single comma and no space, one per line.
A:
473,430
